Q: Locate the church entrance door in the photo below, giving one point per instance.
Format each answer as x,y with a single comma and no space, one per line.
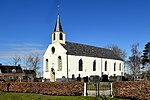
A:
52,75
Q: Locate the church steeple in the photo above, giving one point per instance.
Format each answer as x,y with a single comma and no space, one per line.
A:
58,27
58,35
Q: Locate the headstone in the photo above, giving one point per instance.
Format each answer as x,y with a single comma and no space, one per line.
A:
85,79
73,78
105,78
79,78
63,79
94,78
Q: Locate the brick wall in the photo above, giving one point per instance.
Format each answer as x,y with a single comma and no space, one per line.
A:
132,89
50,88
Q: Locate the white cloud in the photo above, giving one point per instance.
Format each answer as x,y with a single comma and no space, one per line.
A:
9,50
26,44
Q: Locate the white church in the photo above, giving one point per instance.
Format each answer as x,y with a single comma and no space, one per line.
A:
67,60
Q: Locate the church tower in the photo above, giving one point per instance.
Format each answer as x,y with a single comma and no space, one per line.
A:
58,35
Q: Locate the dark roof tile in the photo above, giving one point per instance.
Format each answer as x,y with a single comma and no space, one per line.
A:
90,51
8,69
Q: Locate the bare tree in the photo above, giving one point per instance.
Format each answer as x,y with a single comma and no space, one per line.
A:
16,59
33,62
118,51
134,60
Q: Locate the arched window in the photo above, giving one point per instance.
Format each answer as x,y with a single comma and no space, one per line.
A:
54,36
94,65
46,64
53,50
59,64
61,36
80,65
120,67
114,66
105,65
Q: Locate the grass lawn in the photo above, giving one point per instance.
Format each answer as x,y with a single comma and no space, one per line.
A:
33,96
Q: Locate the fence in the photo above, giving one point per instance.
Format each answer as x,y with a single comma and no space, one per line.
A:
99,89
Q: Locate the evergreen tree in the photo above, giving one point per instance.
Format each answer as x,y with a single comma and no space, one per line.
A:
146,55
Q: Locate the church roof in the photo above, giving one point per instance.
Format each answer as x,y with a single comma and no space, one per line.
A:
8,69
58,27
90,51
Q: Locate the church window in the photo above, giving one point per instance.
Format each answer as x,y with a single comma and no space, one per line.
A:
46,65
120,67
61,36
54,36
94,65
53,50
59,63
114,66
105,65
80,65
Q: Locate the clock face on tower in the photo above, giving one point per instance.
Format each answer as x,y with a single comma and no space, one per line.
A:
53,50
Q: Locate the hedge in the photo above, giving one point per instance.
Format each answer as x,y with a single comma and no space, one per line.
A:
132,89
49,88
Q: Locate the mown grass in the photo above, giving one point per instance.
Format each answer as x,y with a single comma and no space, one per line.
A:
33,96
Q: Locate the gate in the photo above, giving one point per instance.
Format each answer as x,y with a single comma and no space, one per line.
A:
99,89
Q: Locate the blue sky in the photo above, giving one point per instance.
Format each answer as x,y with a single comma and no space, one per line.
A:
26,25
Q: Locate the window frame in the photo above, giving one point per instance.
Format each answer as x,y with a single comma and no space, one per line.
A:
59,63
94,65
60,36
54,36
46,65
115,66
120,67
80,65
105,66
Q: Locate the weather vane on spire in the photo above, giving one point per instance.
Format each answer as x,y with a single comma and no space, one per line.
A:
58,6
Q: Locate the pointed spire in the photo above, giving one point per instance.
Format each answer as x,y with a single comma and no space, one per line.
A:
58,27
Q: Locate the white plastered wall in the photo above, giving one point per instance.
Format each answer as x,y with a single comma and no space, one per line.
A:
73,66
110,67
53,61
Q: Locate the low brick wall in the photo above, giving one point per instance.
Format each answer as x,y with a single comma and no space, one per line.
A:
49,88
132,89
